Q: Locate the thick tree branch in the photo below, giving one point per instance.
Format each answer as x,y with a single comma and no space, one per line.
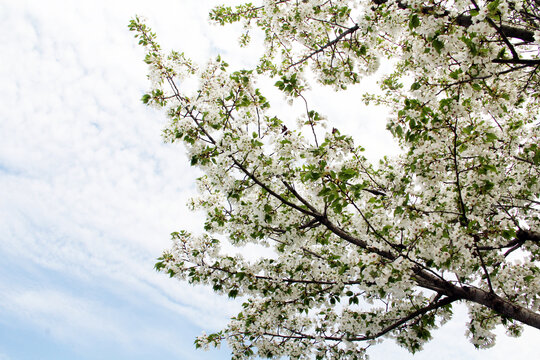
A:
466,21
515,55
528,235
501,306
521,237
482,297
528,62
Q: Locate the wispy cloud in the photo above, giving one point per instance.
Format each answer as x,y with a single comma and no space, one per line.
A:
89,192
84,323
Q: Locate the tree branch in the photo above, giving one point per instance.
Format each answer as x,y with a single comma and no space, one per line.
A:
528,235
466,21
327,45
528,62
419,312
432,306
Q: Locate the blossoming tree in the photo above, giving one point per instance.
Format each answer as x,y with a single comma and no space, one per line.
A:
360,252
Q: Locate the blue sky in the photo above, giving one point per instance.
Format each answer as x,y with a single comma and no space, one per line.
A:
89,193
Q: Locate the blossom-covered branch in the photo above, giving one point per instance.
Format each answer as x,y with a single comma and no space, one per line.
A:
360,251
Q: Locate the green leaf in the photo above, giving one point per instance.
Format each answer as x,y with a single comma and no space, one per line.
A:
398,130
493,7
346,174
437,45
491,137
146,98
536,157
414,21
455,74
509,234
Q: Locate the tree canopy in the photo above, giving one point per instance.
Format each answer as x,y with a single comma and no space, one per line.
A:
358,251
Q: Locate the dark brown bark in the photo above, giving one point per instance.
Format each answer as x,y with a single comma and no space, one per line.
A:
524,235
466,21
502,307
488,299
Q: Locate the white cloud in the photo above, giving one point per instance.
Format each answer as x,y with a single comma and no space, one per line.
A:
87,187
63,315
84,323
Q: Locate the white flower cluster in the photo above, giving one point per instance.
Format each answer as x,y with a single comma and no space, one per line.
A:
358,252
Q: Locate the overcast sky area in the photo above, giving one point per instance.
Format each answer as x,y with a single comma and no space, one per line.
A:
89,193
